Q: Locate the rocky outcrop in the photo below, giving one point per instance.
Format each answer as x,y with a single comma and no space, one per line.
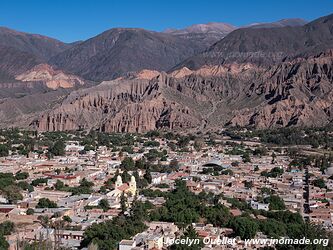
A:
138,104
52,78
294,93
297,93
122,105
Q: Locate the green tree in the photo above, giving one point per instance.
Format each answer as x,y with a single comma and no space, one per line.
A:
248,184
246,157
6,228
13,193
244,227
151,144
217,215
273,228
25,186
59,185
127,164
276,203
38,181
319,183
3,243
21,175
103,190
104,204
58,149
66,218
123,203
147,176
46,203
4,150
30,211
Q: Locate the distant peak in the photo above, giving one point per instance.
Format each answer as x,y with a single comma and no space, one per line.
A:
203,28
291,22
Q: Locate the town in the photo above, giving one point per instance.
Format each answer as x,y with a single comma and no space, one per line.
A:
93,190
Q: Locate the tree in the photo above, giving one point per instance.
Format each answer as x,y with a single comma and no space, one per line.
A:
275,203
59,185
4,150
25,186
139,164
30,211
246,157
125,176
104,204
319,183
13,193
217,215
260,151
38,181
6,228
84,188
273,228
58,149
248,184
66,218
147,176
275,172
3,243
127,164
151,144
244,227
103,190
183,141
21,175
123,203
266,190
85,183
46,203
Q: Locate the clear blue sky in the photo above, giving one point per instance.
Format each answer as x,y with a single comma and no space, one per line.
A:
71,20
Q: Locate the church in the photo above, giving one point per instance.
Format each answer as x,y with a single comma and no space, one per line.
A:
120,188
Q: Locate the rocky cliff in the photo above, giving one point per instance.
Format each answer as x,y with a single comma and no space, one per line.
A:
53,79
298,92
293,93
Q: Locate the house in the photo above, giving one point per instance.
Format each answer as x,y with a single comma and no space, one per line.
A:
155,241
126,244
259,206
157,178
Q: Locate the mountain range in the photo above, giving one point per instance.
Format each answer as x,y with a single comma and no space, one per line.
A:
202,77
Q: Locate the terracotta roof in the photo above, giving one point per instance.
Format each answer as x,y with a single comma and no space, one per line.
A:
235,212
202,233
123,187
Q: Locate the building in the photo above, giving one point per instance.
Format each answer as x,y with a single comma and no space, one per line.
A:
120,187
259,206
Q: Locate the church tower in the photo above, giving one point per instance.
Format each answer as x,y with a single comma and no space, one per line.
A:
132,185
119,181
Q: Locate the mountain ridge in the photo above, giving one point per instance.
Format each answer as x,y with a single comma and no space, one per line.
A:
262,77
